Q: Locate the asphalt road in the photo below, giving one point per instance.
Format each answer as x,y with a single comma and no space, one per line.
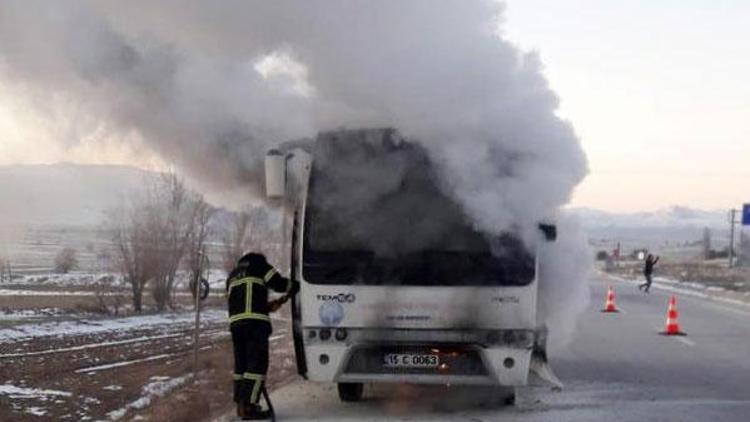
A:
617,368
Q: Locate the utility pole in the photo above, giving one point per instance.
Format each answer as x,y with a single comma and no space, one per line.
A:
706,243
732,214
197,292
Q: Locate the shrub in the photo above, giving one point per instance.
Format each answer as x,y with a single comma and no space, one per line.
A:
66,260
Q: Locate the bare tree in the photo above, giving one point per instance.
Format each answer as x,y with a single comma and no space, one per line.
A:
3,270
109,300
66,260
155,233
234,239
183,227
249,230
131,229
175,228
197,244
4,265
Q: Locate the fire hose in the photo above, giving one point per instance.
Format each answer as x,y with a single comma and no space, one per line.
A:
274,306
271,412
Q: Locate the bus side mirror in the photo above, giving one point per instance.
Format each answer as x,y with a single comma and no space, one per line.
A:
275,174
549,230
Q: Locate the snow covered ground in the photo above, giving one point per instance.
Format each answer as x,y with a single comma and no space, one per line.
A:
68,280
216,278
91,368
97,368
93,326
158,387
29,314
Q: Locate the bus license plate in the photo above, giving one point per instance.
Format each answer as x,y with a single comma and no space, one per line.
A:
397,360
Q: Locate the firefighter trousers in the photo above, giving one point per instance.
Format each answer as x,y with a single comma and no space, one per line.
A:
250,342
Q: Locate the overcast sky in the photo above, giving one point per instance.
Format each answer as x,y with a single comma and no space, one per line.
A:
658,91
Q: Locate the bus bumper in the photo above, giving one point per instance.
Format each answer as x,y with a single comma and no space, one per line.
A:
459,364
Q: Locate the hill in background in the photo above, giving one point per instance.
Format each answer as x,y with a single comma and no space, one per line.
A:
64,194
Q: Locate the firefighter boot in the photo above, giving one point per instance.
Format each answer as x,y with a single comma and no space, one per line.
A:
253,412
240,410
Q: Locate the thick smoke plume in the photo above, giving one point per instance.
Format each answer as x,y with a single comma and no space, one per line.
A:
371,190
209,86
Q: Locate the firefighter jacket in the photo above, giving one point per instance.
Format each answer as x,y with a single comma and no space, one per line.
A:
247,291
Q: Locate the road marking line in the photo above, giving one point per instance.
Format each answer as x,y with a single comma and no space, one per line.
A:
685,341
681,339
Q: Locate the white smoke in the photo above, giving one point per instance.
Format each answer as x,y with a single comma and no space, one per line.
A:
209,86
563,271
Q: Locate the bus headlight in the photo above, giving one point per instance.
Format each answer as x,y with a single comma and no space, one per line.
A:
325,334
341,334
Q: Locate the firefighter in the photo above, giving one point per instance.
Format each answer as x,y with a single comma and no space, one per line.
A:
247,297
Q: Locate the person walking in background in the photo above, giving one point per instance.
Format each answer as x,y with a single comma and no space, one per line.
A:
648,270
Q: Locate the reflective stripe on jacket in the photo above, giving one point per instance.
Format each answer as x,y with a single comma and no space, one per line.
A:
247,292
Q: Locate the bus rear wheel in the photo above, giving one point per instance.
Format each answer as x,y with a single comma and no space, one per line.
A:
350,391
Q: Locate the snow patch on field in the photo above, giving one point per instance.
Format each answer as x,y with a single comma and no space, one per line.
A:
15,392
73,279
15,314
88,346
21,292
124,363
27,292
36,411
158,387
83,327
216,277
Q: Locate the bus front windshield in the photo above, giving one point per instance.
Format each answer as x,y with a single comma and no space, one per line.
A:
410,234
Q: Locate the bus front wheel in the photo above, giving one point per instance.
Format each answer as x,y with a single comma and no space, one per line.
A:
350,391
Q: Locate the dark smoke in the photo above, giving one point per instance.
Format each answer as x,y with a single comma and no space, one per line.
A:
373,190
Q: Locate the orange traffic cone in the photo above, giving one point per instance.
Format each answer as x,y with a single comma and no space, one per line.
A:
609,304
671,327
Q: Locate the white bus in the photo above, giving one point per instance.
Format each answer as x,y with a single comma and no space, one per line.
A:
458,315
